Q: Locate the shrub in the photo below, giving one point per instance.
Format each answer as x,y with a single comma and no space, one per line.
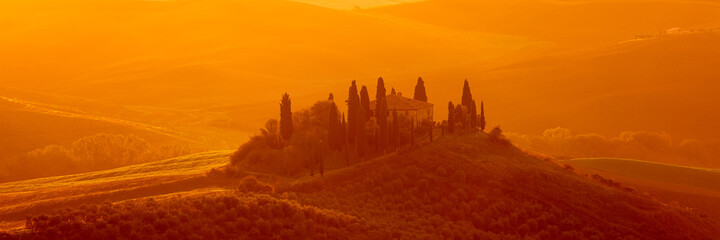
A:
252,184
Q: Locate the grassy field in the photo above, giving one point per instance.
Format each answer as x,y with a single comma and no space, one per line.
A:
187,173
682,186
703,178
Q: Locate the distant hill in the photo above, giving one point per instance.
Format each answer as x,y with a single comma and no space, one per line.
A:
223,62
173,53
459,187
566,23
658,85
27,125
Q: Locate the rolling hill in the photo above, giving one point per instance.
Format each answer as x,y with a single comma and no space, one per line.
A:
40,129
214,70
568,24
593,76
35,196
657,85
693,187
461,186
681,176
173,53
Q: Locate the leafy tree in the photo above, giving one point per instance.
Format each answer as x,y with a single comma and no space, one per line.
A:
482,116
271,134
412,134
334,129
319,160
286,122
381,115
460,116
466,95
395,131
420,94
451,118
353,103
365,101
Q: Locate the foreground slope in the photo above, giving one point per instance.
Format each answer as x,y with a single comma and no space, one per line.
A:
459,187
467,185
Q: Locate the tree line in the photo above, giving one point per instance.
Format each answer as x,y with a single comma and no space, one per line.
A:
465,115
364,134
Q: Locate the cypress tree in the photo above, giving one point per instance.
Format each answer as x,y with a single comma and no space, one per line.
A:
482,116
343,130
381,114
392,91
353,103
420,94
286,122
466,95
451,118
365,101
473,115
361,143
343,137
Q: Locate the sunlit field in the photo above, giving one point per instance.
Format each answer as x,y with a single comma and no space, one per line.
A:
155,178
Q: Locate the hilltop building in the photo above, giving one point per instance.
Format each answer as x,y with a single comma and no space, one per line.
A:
408,107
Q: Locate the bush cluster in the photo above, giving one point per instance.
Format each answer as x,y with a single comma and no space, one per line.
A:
224,216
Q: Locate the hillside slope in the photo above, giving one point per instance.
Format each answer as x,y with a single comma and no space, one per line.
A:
460,187
468,185
696,188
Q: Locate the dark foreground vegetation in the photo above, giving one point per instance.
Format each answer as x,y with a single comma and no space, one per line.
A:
220,216
463,186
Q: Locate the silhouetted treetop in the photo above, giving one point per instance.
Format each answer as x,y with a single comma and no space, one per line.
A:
365,101
354,109
420,94
466,95
286,121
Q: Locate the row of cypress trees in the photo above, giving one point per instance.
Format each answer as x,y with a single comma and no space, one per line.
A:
465,114
353,131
